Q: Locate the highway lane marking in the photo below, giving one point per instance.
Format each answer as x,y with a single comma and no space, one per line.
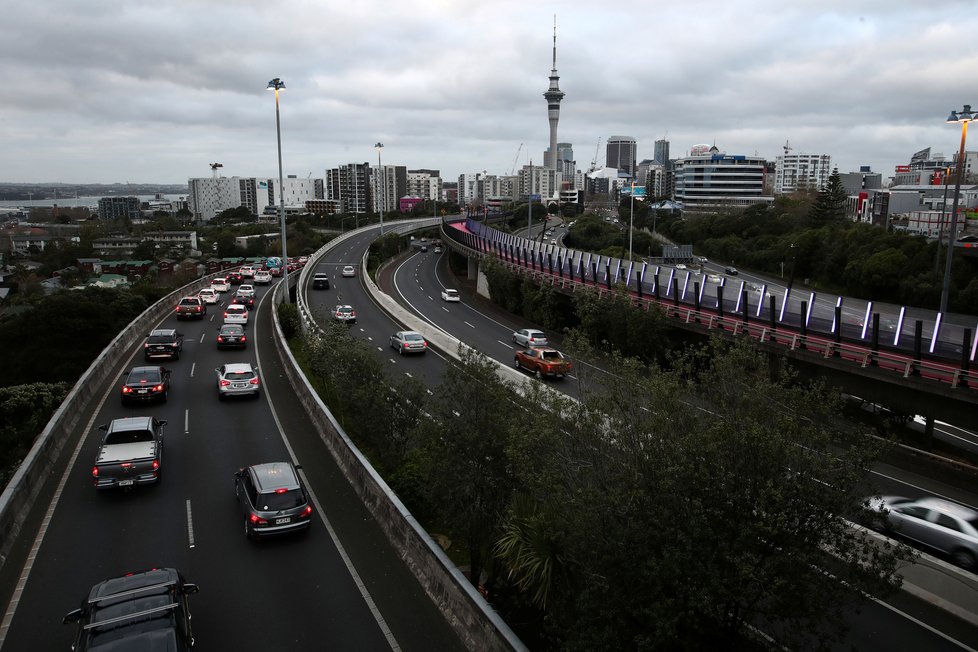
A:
468,324
364,593
408,374
202,337
190,524
192,367
506,344
186,421
921,623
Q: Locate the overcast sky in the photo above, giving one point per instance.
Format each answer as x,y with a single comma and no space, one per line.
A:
105,91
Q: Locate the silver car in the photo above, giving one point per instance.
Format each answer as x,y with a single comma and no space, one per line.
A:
939,524
408,342
237,379
530,337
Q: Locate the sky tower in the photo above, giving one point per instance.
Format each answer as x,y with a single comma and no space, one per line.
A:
553,96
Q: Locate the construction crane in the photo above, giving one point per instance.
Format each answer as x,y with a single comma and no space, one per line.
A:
594,161
214,167
516,159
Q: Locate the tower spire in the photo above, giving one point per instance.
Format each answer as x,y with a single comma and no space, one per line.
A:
553,96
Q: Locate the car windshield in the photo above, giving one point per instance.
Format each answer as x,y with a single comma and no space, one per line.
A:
239,375
144,376
188,302
451,293
274,501
235,330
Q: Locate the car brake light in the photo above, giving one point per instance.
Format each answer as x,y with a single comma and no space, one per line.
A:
127,390
306,512
225,383
156,465
243,338
126,465
146,346
220,339
257,520
254,381
94,471
158,388
281,490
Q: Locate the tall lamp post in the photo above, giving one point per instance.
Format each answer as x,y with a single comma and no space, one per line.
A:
964,116
279,85
383,183
631,221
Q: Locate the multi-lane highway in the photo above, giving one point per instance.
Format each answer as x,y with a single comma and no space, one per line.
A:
339,586
416,282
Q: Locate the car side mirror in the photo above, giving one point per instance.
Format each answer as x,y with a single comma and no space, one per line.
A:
162,422
72,617
189,589
298,466
104,427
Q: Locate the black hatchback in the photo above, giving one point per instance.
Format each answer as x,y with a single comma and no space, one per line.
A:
272,499
231,336
163,343
146,384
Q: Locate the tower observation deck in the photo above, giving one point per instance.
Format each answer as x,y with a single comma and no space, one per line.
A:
553,96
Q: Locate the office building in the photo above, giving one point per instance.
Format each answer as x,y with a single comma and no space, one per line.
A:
621,154
709,181
801,172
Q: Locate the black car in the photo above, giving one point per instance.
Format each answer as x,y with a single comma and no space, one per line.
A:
146,384
272,498
231,336
234,278
163,343
320,281
246,301
145,610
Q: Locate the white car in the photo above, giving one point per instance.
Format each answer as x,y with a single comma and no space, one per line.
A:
450,295
681,267
263,277
247,271
209,295
246,290
345,313
237,379
349,270
221,284
236,314
530,337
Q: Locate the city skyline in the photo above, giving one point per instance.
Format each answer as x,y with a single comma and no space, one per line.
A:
113,92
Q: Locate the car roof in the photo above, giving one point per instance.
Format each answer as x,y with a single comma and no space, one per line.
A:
274,475
237,307
131,423
406,333
529,331
320,274
146,368
947,507
238,367
155,577
344,306
232,327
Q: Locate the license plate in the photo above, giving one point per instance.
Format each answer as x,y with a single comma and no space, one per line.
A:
283,521
142,391
125,483
240,385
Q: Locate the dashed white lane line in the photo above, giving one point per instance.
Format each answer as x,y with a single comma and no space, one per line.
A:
468,324
192,368
190,524
186,421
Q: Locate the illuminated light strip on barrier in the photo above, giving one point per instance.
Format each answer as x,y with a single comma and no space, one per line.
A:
808,313
685,285
702,290
899,330
784,304
937,328
869,312
672,275
641,279
838,304
760,301
740,296
618,270
974,344
631,264
588,265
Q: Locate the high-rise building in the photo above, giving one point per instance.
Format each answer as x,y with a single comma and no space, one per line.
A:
390,184
621,154
794,172
424,183
350,185
661,154
118,208
553,96
709,180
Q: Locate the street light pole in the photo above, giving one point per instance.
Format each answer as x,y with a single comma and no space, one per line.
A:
279,85
631,221
964,117
940,223
383,182
529,204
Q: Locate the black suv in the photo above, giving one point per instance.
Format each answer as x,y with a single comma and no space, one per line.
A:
272,499
163,343
146,384
231,336
145,610
320,281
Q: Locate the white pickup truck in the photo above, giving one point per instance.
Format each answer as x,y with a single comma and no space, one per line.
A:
130,454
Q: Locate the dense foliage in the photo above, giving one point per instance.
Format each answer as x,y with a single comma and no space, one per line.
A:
24,411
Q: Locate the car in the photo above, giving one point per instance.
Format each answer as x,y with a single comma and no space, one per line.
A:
345,313
530,337
231,336
438,249
424,249
408,342
680,267
553,240
235,278
263,277
702,260
732,271
236,314
141,610
935,523
163,343
146,384
272,499
209,295
191,308
303,260
243,300
220,284
450,295
349,270
246,271
247,290
237,379
131,453
543,361
320,281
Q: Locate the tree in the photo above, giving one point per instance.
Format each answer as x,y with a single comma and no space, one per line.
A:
676,509
830,205
24,411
